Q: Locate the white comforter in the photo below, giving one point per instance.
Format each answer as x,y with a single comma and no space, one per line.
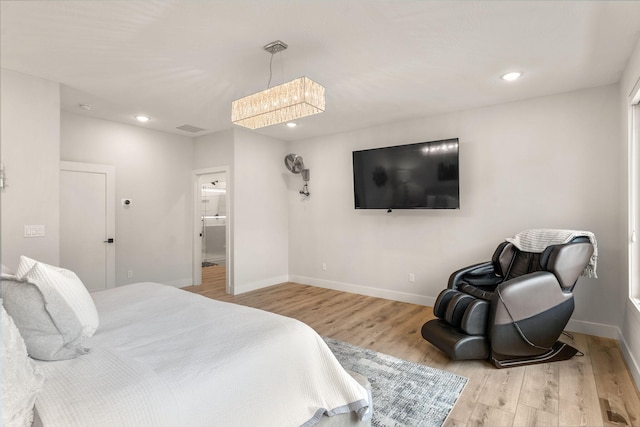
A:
166,357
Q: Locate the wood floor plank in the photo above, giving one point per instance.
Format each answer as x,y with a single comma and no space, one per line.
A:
540,387
564,393
578,399
528,416
477,372
500,387
613,381
452,422
490,416
579,341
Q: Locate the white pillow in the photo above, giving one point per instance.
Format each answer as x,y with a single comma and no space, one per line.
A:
69,286
21,381
25,265
6,271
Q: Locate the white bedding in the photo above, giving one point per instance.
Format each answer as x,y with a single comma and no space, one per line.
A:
165,357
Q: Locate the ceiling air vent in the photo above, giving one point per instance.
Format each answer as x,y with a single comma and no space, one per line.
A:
190,128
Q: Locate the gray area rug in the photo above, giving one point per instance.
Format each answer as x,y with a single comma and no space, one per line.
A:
404,393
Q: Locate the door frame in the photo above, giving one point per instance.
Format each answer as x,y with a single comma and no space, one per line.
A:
197,248
633,200
109,172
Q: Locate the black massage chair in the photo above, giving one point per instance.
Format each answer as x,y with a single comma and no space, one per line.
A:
512,309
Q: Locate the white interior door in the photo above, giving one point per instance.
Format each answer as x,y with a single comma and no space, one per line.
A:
87,223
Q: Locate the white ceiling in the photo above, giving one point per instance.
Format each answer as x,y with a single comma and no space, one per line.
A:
183,62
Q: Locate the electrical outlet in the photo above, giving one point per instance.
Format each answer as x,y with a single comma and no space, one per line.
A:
324,266
129,274
412,277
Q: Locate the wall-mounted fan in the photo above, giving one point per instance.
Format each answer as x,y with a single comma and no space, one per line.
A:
295,164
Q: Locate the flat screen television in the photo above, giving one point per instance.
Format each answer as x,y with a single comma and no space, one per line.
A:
412,176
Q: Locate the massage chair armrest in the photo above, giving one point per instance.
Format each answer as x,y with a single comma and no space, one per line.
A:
528,315
481,274
526,296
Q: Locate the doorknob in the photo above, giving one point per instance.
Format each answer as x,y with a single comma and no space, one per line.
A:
108,241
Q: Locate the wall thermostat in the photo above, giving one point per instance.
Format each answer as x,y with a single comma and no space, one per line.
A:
126,202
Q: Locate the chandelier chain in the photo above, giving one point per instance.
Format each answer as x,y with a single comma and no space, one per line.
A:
282,67
270,70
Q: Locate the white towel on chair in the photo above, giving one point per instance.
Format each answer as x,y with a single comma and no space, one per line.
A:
537,240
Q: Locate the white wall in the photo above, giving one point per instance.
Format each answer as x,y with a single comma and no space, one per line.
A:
214,149
630,326
258,201
30,152
260,212
153,235
549,162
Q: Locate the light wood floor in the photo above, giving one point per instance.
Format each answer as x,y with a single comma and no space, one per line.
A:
593,390
214,277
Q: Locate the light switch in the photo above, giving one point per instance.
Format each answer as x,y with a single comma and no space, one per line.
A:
34,231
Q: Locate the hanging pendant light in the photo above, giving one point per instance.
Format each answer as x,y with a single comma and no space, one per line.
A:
283,103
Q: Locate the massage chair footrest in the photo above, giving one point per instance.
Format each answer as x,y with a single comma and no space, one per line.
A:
456,344
559,351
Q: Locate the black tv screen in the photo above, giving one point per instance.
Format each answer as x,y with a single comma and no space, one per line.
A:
413,176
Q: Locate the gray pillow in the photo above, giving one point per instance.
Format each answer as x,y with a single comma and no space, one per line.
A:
49,326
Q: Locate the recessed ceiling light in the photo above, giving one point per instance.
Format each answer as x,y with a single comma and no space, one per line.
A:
292,124
142,118
515,75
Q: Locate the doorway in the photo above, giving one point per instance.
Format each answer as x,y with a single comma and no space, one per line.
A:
211,227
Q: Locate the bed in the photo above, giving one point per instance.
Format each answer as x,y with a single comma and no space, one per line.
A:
165,357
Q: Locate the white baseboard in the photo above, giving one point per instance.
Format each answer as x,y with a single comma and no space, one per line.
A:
595,329
631,351
590,328
365,290
632,363
247,287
